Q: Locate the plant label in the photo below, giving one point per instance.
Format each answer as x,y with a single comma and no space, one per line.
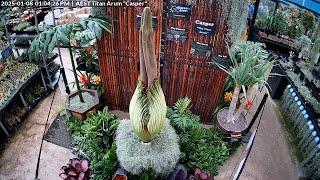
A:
201,49
204,28
177,34
180,11
154,22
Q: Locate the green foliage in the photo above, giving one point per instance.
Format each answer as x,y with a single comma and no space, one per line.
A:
84,31
263,22
307,19
249,63
21,26
160,155
200,147
95,137
181,116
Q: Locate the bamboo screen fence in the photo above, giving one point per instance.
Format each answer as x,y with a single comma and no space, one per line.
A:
182,74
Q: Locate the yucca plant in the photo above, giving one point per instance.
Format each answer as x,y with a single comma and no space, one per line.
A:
83,32
147,107
249,64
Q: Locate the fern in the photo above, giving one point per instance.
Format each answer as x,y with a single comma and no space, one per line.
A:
181,116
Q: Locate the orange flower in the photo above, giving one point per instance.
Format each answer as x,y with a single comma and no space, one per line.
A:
228,97
248,104
90,50
96,80
84,80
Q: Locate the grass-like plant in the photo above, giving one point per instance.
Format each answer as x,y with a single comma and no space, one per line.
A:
83,32
147,107
249,64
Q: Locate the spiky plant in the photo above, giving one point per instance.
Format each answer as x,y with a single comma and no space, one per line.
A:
147,107
249,64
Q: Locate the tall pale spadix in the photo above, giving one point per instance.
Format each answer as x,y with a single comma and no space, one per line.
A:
147,107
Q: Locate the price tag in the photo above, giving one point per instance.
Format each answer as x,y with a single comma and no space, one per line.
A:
177,34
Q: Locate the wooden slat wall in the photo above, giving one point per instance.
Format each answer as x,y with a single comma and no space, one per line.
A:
190,75
182,74
119,56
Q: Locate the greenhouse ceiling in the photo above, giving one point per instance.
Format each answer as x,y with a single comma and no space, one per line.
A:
312,5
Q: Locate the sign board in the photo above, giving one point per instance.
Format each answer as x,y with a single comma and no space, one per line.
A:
201,49
204,28
180,11
154,22
177,34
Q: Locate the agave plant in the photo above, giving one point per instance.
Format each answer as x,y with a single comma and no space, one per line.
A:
147,107
83,32
249,64
75,169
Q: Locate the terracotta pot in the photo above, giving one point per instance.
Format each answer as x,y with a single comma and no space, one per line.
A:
236,128
83,113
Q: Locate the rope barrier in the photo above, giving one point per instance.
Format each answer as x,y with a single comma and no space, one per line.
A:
44,131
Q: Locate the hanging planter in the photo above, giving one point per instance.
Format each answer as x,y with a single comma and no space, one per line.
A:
82,110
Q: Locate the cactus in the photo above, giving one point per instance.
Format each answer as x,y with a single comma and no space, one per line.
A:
147,107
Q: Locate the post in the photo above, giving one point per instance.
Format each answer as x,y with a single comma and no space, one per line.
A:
62,71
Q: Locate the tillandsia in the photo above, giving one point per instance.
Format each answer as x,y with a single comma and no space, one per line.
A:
147,107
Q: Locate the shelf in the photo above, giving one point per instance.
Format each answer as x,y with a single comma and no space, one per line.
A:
48,61
16,91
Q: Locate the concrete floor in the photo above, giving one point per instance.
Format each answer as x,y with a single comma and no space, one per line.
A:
269,158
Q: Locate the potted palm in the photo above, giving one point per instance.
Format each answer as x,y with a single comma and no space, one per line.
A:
249,64
82,101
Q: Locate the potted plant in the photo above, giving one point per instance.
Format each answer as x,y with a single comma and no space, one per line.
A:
249,64
82,101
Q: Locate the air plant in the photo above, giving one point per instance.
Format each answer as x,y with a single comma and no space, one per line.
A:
147,107
75,169
249,64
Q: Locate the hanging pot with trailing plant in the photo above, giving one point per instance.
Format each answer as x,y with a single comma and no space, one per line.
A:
249,64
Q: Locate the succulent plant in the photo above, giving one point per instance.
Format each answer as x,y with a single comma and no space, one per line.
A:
147,107
201,175
75,169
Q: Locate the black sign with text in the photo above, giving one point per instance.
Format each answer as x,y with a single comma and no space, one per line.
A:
204,28
180,11
154,22
201,49
177,34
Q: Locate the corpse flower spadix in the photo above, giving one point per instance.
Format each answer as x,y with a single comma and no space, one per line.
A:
147,107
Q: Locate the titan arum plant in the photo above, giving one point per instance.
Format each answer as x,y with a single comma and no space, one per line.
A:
147,107
249,64
83,32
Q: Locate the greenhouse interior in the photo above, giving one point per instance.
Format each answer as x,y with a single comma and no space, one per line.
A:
160,89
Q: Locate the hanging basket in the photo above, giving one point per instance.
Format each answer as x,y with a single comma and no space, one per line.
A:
83,113
234,129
